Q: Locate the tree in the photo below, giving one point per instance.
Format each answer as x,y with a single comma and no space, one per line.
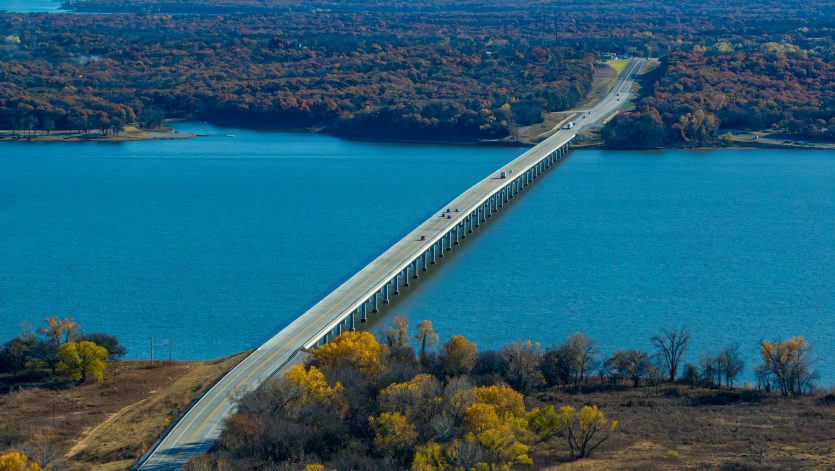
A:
729,363
671,344
458,356
545,422
630,364
359,349
115,350
398,335
15,461
17,352
556,366
581,354
46,350
48,124
82,360
586,429
60,330
426,336
394,435
522,361
789,365
311,385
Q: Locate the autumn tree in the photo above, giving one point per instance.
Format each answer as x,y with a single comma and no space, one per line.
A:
82,360
586,429
458,356
789,364
358,349
394,435
426,336
15,461
671,344
60,330
398,335
310,385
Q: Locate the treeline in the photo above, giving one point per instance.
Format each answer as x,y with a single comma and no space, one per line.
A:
703,92
360,404
57,351
455,77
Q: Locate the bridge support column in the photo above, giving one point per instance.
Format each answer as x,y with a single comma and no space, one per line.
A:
351,321
457,233
448,237
363,312
441,247
425,261
415,268
470,219
386,293
374,307
396,284
406,277
434,254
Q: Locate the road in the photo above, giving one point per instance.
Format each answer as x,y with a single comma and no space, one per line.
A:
194,433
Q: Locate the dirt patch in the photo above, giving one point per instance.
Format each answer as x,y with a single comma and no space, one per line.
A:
701,429
107,425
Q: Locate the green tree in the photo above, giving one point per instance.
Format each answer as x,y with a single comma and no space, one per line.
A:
83,360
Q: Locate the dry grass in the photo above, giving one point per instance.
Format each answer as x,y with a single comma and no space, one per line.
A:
107,425
702,429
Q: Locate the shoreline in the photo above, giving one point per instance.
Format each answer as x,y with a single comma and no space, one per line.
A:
135,134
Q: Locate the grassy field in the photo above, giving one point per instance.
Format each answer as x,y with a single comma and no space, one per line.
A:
702,429
106,426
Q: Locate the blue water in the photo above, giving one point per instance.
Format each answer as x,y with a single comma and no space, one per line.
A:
30,6
216,242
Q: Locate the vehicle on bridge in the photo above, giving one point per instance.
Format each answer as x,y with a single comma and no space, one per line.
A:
569,125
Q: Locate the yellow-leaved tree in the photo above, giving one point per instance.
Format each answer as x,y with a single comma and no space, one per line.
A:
394,435
458,356
17,462
497,422
359,349
429,457
82,360
586,429
788,364
310,385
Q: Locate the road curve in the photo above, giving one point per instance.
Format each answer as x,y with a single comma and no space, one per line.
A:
198,428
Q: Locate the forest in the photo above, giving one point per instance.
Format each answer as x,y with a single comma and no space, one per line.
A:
456,71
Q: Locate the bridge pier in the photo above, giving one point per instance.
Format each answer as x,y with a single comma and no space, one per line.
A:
363,312
432,249
415,268
406,277
396,283
386,293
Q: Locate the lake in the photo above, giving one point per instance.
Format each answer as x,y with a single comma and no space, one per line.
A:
216,243
30,6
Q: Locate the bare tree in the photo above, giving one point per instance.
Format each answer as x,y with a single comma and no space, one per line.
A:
671,344
729,362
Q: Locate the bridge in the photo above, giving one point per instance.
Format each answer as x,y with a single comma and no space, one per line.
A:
371,288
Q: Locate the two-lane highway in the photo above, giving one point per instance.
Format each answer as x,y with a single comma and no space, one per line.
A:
194,433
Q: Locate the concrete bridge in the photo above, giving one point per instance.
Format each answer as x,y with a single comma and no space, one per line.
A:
366,292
